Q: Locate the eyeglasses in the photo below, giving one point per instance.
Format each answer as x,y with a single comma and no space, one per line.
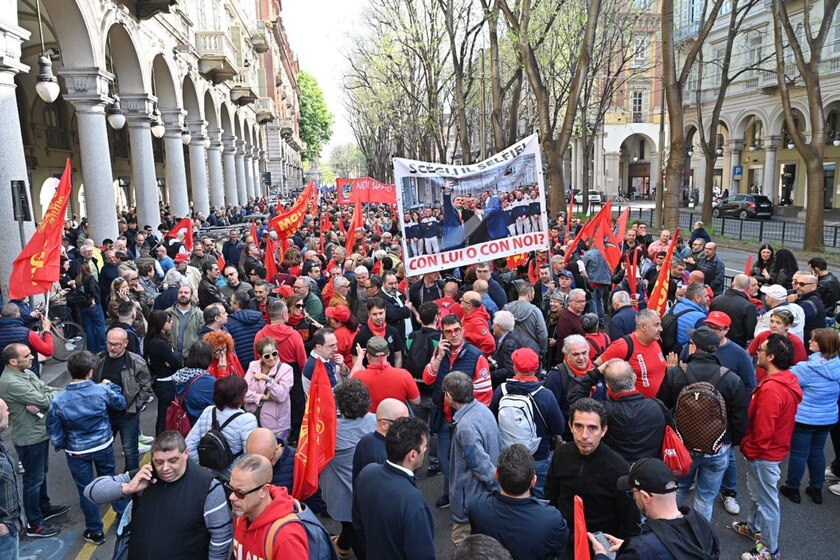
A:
762,349
716,328
270,355
456,330
797,283
238,493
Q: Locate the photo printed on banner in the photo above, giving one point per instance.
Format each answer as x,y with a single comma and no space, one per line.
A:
456,215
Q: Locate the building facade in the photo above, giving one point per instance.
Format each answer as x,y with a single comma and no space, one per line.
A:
203,85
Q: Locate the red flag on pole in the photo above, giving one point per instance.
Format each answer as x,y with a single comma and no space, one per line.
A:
270,262
316,445
254,233
581,539
569,215
357,222
588,230
184,224
220,260
659,296
38,264
621,224
287,223
748,268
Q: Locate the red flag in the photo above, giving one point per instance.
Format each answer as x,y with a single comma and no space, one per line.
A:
569,215
287,223
313,206
588,229
357,222
748,267
516,260
38,264
316,445
185,223
631,272
280,208
621,224
270,263
659,295
254,233
220,261
581,539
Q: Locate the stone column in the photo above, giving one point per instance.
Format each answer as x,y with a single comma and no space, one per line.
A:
241,178
258,186
248,162
698,164
12,157
735,149
655,171
89,95
771,168
229,157
198,168
143,175
176,171
214,166
612,173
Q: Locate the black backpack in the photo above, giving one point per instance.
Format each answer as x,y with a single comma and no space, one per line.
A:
670,326
213,448
420,352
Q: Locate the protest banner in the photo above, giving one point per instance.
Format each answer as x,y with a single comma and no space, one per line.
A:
364,189
456,215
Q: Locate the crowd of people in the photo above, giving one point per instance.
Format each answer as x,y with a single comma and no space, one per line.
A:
524,384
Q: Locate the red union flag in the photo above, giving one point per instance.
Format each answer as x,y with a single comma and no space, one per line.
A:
38,264
659,296
287,223
186,226
316,445
365,189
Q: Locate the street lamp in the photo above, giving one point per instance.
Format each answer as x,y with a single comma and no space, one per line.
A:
719,151
836,140
47,86
186,137
158,129
790,144
115,115
690,152
635,158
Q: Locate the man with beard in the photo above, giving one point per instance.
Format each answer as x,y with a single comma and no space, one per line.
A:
187,321
377,326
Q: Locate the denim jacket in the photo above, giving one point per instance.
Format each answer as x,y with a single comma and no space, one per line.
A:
78,418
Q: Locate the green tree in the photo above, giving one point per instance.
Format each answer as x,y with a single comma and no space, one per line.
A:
315,118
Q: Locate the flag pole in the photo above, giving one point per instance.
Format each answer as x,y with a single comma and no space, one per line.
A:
17,192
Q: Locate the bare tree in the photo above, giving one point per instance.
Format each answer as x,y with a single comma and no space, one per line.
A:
807,52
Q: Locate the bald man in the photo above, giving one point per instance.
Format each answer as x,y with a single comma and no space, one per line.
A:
476,323
482,287
371,448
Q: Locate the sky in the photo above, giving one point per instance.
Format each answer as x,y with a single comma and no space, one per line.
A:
318,33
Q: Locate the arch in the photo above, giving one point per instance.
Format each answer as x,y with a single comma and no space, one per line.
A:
164,82
776,122
227,120
125,61
191,100
617,134
237,126
211,111
74,31
48,188
742,121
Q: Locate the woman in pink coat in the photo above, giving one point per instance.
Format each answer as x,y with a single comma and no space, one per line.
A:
269,382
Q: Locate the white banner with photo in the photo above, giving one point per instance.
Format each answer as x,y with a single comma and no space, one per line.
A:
456,215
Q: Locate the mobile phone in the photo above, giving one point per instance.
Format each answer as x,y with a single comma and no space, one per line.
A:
599,536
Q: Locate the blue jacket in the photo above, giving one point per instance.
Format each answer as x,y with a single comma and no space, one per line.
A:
78,417
820,382
453,228
623,322
688,320
495,219
548,422
597,268
243,326
14,329
200,395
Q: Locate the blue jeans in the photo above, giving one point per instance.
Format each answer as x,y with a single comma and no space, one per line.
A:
765,516
709,470
807,446
35,460
444,445
81,468
128,426
9,547
541,470
730,477
598,295
94,324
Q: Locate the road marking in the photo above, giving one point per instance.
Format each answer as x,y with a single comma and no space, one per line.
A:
89,548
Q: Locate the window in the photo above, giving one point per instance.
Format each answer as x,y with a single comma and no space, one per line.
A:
641,149
754,54
57,136
640,52
637,106
835,49
715,68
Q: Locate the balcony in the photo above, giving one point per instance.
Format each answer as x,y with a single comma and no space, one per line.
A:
287,128
265,109
687,31
244,90
217,56
259,39
147,9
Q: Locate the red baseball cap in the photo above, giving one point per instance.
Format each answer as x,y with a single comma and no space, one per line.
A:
525,360
340,313
181,257
718,319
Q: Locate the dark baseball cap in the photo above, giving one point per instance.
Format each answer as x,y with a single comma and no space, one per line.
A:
704,339
377,346
650,475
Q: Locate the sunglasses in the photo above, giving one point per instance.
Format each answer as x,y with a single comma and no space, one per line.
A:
270,355
298,306
239,494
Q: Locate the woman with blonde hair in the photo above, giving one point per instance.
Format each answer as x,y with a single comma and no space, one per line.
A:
269,383
224,361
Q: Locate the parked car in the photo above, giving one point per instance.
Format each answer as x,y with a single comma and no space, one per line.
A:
744,206
569,195
594,197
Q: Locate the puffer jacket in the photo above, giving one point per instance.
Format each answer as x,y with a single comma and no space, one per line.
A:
243,326
78,417
820,382
689,319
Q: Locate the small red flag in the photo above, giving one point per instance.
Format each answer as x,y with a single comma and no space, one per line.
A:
270,263
516,260
184,224
38,264
571,210
621,224
588,230
316,444
254,233
581,539
748,268
659,295
357,222
220,260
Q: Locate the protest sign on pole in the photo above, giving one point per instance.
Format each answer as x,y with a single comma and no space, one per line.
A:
456,215
364,189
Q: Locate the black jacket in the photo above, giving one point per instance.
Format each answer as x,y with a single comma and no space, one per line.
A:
705,367
829,289
592,477
636,423
395,311
812,304
744,315
503,356
209,293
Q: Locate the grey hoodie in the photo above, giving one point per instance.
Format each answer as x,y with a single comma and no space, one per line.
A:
530,323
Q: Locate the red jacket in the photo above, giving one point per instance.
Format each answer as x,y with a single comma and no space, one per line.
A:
477,331
772,416
249,539
290,348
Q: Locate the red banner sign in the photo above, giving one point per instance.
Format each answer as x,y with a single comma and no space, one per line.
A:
286,224
365,189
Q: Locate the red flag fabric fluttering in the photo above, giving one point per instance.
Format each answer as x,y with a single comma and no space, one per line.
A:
220,260
569,215
270,262
621,224
316,445
184,224
287,223
581,539
748,268
254,233
632,281
39,263
357,222
588,230
659,296
515,261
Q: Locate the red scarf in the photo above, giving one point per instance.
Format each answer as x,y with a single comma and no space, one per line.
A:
377,331
579,372
616,396
294,320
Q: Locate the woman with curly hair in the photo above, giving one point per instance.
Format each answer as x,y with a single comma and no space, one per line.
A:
353,401
269,384
763,266
224,361
301,322
784,267
294,257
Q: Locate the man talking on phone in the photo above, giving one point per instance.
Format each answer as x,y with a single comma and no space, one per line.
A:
668,532
200,527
